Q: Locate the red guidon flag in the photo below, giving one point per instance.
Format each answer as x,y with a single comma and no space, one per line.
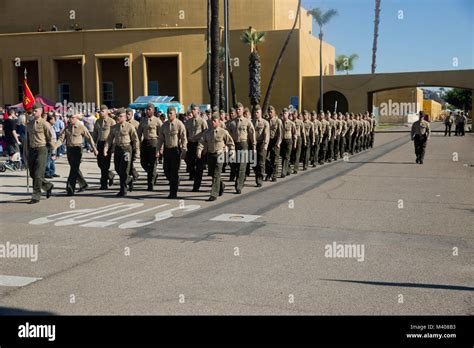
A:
28,98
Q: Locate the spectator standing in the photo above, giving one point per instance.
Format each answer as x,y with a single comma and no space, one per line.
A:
89,122
21,130
58,128
448,123
50,170
11,135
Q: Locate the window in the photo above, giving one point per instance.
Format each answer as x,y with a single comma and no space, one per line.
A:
108,93
153,88
64,92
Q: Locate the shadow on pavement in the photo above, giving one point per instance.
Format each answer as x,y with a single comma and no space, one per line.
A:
406,285
18,311
16,193
383,162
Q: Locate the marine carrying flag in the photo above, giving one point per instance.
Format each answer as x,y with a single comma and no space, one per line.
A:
28,97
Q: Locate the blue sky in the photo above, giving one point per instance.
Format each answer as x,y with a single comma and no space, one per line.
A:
431,34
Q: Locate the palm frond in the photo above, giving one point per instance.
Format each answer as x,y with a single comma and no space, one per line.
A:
340,60
221,52
322,18
259,37
317,15
246,37
346,63
354,56
328,16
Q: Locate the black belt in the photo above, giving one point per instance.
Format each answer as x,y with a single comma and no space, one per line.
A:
150,142
36,147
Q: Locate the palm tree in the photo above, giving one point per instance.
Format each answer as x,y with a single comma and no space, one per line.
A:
376,34
253,38
215,44
232,82
221,90
345,63
322,19
277,64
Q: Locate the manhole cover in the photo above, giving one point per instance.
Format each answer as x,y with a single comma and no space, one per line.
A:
236,217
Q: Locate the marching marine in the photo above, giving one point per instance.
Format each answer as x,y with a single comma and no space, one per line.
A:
243,133
39,137
172,138
310,137
262,135
420,133
123,137
195,127
214,142
100,134
135,124
300,142
288,142
274,145
148,130
74,135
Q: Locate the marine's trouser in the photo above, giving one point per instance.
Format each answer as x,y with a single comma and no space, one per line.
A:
171,163
148,159
123,161
215,162
420,146
74,157
37,158
104,164
261,159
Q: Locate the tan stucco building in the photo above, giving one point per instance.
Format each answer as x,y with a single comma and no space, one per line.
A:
395,106
432,108
161,51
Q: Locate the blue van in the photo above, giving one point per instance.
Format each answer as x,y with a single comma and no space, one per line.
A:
161,103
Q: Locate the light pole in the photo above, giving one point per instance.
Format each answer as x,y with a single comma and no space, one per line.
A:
226,58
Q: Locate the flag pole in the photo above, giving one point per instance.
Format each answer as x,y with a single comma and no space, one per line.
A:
25,150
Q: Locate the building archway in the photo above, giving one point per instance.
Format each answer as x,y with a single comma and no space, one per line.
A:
330,98
358,88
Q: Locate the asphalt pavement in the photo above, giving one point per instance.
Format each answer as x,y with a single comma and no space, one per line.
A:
377,234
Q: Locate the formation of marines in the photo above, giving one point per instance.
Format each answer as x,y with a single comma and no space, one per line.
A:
277,145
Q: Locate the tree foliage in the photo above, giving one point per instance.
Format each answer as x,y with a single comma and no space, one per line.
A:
253,39
346,63
460,98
